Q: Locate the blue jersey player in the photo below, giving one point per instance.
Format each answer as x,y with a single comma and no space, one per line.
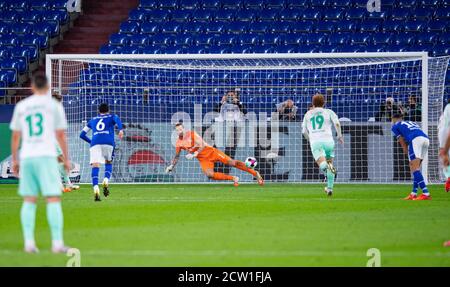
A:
415,144
102,145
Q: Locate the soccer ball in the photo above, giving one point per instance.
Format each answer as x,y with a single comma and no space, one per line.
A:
251,162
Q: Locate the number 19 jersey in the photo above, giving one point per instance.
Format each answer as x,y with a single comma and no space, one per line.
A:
318,123
37,118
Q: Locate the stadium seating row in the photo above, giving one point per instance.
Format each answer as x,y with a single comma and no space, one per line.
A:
26,27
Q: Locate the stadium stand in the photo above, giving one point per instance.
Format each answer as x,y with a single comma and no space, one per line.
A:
28,30
288,26
219,26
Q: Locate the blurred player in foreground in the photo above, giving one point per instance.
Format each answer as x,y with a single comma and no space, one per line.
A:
207,156
68,186
414,143
39,121
102,145
316,128
444,145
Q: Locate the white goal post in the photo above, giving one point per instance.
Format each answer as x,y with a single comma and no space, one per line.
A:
252,105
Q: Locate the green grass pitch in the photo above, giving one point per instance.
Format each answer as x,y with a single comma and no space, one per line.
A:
220,225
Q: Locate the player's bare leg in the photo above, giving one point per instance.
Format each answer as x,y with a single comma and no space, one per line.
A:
210,173
328,169
240,165
28,220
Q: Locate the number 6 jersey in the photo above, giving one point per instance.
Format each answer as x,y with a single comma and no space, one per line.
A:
318,123
37,118
102,127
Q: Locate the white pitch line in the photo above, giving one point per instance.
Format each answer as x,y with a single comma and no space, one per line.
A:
245,253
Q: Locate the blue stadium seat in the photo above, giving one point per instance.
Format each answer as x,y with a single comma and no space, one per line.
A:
129,27
347,26
289,15
281,27
268,15
274,4
401,14
236,27
302,27
442,14
151,4
21,28
119,39
252,4
195,4
214,28
326,26
232,4
203,15
169,4
334,14
172,28
150,28
9,39
361,39
137,15
393,26
435,25
371,25
356,14
181,15
158,15
49,28
195,28
339,39
382,39
227,15
316,39
428,38
414,26
248,15
298,3
259,27
249,39
138,40
405,39
9,76
311,14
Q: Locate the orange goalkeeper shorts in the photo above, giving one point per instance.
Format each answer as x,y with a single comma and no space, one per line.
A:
209,156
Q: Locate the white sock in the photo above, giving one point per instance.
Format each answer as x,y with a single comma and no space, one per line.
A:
105,181
57,243
96,189
30,243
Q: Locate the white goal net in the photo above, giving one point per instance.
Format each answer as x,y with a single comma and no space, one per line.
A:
252,105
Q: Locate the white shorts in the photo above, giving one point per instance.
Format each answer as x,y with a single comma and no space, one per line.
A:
100,153
418,148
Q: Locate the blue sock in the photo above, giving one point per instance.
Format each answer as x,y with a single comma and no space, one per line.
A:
94,175
415,186
108,170
418,177
28,220
55,220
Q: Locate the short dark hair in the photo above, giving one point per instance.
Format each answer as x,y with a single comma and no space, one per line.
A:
39,81
178,124
57,97
103,108
397,116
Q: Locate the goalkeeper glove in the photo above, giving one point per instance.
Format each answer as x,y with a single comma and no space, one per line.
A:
190,156
169,168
